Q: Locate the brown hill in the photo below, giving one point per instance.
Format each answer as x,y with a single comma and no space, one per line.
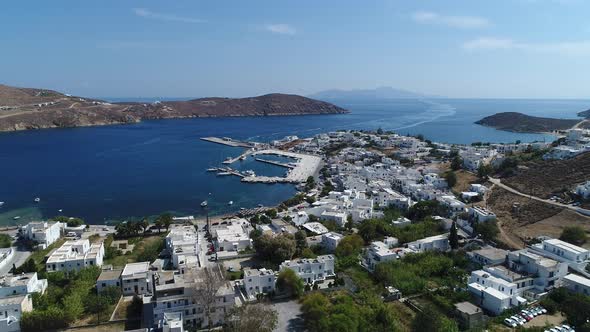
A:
522,123
543,178
23,108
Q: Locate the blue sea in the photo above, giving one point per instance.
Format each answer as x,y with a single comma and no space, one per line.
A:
123,172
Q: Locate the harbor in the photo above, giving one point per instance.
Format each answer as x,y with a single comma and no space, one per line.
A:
228,141
302,166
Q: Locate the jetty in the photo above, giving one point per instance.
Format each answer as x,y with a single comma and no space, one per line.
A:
228,141
272,162
243,156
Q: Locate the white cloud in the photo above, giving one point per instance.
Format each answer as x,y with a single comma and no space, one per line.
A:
143,12
575,48
488,43
283,29
463,22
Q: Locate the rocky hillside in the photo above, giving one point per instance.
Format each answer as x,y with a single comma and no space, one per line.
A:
23,108
584,114
522,123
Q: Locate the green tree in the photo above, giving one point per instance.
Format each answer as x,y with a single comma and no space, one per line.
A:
275,249
487,229
166,220
300,242
424,209
577,309
272,213
451,178
429,319
456,163
144,223
484,170
96,304
574,235
288,281
454,237
350,245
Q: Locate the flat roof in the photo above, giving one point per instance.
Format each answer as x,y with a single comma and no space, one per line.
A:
566,246
134,268
467,307
109,274
578,279
492,253
489,290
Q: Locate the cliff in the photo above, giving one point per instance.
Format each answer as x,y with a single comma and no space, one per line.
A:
24,108
522,123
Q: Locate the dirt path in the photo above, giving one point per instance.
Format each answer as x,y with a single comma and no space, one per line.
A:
504,237
542,200
577,125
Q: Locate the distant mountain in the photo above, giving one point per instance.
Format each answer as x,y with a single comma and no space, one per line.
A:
367,94
24,108
522,123
584,114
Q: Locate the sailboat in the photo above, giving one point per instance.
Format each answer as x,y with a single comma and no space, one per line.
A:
204,204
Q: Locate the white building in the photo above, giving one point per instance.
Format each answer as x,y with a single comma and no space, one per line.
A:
401,222
576,257
494,294
75,255
316,228
181,294
338,217
311,270
330,240
42,232
171,322
488,256
6,255
577,284
184,245
382,251
234,236
136,278
261,281
108,278
481,214
11,310
437,242
22,284
583,190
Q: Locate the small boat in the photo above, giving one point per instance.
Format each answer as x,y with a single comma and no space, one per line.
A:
249,173
223,173
242,209
1,203
37,199
16,218
230,203
204,203
260,205
242,158
211,169
60,210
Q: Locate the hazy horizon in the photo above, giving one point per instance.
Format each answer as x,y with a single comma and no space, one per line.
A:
525,49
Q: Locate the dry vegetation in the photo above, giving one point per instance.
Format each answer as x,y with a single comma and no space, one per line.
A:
531,219
543,177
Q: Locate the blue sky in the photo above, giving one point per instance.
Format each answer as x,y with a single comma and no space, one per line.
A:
470,48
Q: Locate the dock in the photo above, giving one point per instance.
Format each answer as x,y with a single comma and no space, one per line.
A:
240,157
272,162
228,142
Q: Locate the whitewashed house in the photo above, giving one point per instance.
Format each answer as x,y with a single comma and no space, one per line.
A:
577,284
259,281
75,255
311,270
437,243
330,240
136,279
42,232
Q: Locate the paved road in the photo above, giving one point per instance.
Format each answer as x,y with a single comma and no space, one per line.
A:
18,258
547,201
289,313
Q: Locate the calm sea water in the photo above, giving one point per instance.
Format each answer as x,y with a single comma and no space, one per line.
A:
130,171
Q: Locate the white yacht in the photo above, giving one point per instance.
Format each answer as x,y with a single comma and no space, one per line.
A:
1,203
230,203
37,199
204,203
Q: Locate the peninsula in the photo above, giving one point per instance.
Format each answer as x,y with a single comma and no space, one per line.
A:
522,123
26,108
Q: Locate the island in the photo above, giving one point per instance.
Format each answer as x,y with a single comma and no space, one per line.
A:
522,123
584,114
26,108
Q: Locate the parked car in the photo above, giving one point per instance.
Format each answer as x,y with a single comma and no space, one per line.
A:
510,322
518,320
